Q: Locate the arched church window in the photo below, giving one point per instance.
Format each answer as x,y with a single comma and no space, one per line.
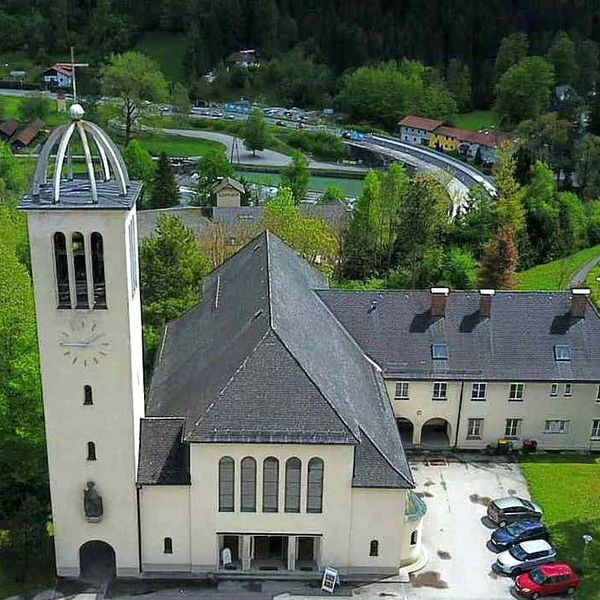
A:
98,271
314,496
88,399
62,270
168,546
292,485
226,484
91,451
81,292
248,493
270,485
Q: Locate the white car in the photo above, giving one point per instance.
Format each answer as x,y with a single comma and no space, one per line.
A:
525,556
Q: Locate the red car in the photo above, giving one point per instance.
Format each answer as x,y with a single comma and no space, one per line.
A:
547,580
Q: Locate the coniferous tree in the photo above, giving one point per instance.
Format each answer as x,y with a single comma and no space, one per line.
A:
499,262
165,192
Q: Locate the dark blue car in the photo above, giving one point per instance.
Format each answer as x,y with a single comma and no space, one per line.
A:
519,531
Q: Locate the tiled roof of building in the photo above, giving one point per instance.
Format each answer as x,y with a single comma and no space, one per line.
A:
396,330
191,217
420,123
9,127
64,69
474,137
228,182
164,459
30,132
261,359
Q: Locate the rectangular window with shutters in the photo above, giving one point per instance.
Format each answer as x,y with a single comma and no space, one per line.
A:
512,428
595,429
516,392
556,426
478,391
440,390
474,429
401,390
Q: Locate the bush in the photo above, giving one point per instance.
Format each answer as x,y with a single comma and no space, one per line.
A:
34,107
322,145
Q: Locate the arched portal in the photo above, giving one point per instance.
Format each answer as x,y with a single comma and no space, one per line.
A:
406,429
97,562
436,433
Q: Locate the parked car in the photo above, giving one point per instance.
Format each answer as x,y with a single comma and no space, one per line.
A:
506,510
525,556
547,580
519,531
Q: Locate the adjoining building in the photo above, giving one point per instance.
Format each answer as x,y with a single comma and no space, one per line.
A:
25,137
417,130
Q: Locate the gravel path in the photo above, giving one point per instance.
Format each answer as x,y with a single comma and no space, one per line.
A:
579,278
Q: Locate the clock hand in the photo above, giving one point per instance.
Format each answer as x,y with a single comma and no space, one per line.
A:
94,338
84,344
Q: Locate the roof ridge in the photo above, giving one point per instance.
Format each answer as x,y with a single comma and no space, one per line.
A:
269,290
340,417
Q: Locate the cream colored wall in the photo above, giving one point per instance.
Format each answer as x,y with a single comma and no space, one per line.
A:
538,406
420,407
206,520
377,515
228,197
165,512
117,383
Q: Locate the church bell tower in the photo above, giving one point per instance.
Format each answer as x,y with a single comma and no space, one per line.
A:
83,239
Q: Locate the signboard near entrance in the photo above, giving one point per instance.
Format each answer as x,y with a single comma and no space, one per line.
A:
330,578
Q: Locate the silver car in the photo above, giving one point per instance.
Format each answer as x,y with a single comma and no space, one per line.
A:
525,556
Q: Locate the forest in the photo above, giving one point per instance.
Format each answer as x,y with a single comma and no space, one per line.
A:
338,35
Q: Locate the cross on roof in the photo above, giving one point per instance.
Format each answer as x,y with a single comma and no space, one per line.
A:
72,66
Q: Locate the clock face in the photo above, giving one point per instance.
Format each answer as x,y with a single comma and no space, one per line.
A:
83,343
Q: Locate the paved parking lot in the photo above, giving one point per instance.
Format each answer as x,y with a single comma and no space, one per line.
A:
457,495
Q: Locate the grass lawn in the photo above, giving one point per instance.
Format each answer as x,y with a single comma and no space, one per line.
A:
568,489
555,275
9,108
167,50
174,146
476,120
592,281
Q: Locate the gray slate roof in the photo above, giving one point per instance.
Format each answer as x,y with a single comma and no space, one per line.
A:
262,359
515,344
190,216
164,459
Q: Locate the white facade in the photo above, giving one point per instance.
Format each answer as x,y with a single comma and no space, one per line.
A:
100,348
342,534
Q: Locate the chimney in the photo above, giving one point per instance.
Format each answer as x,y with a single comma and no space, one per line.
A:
438,301
485,303
579,300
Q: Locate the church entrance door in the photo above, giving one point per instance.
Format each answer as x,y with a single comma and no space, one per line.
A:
97,562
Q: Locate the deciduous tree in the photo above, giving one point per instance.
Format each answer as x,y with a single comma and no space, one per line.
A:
133,78
296,176
513,49
211,169
140,164
255,132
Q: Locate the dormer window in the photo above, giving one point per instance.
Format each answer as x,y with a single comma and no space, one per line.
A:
439,351
562,352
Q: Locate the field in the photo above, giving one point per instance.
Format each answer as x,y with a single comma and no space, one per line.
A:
476,120
167,50
568,489
179,146
9,108
593,282
555,275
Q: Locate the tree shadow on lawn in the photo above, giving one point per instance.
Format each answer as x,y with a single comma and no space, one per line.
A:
567,538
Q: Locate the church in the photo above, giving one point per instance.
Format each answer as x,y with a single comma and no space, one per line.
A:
266,440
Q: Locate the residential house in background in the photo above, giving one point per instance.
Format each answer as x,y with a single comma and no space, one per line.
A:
60,76
417,130
244,58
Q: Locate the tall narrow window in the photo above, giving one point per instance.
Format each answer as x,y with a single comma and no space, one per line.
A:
248,495
292,485
226,484
98,271
91,451
270,485
414,536
62,271
374,548
314,497
133,258
88,399
168,546
79,268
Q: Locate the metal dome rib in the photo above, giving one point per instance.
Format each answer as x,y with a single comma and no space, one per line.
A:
111,161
